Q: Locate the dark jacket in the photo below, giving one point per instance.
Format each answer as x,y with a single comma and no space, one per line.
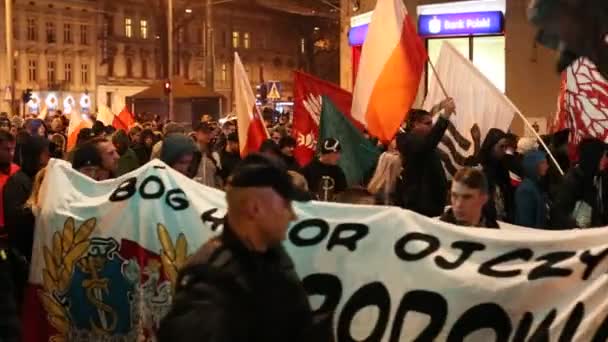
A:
127,162
229,293
142,152
9,316
578,187
228,161
316,174
449,217
530,199
291,163
497,175
424,186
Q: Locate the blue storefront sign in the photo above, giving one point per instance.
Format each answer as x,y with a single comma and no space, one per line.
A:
461,24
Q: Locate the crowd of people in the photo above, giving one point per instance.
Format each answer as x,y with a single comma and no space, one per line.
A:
510,180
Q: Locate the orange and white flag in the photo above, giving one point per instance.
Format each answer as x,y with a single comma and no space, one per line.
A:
252,131
77,122
392,62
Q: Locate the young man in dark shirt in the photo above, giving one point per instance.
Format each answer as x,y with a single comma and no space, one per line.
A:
325,178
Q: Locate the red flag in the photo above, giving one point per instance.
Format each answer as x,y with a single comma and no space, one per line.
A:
308,92
124,120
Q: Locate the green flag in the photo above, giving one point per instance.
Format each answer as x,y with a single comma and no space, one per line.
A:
359,155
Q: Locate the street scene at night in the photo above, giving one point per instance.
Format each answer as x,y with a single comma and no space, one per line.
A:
303,170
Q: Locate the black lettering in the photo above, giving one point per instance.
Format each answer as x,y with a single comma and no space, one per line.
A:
547,270
327,285
482,316
467,247
431,241
523,328
592,261
207,217
575,319
160,167
152,195
601,335
373,294
430,303
124,191
296,239
359,231
542,332
487,268
175,201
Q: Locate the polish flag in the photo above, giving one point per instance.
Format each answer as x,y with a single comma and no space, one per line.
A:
123,121
392,62
77,122
252,131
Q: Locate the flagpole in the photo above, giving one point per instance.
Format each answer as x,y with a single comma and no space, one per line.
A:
527,122
445,93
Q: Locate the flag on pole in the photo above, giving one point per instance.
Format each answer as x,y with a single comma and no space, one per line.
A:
77,122
480,106
252,131
308,102
358,156
392,62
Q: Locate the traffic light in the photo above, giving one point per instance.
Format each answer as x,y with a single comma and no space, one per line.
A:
167,87
27,95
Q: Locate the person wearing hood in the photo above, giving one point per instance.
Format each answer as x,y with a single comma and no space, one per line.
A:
492,160
178,151
34,156
578,202
128,160
530,199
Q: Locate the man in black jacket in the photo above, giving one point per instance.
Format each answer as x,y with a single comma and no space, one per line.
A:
242,285
9,316
423,183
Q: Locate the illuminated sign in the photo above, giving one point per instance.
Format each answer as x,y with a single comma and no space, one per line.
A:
461,24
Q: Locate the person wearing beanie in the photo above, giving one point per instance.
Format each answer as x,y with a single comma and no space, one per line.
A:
325,178
579,202
178,151
530,198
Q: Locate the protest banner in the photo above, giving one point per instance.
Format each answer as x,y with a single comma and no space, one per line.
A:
107,253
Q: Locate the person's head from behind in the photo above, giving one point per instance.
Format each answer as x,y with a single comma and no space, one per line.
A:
34,155
147,138
330,151
420,122
535,164
7,149
259,195
99,129
173,128
178,152
592,156
85,135
469,194
204,133
121,141
232,143
275,136
287,145
108,153
134,134
88,161
270,148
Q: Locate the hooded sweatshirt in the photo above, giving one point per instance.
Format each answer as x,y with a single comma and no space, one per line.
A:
500,205
530,200
578,201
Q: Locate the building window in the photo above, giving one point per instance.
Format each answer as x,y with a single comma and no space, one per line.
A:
68,72
84,34
143,27
129,68
50,72
246,42
33,70
236,38
50,32
144,68
224,73
128,28
303,45
67,33
32,34
84,74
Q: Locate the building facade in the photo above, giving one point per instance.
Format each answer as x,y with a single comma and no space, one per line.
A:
92,53
54,54
525,71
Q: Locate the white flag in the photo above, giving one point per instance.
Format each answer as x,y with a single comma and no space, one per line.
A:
480,106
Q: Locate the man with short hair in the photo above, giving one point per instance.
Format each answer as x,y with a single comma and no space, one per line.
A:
242,285
206,159
424,185
87,161
324,176
128,160
287,145
109,155
468,196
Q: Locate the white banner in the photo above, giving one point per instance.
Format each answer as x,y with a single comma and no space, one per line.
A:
480,106
107,253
